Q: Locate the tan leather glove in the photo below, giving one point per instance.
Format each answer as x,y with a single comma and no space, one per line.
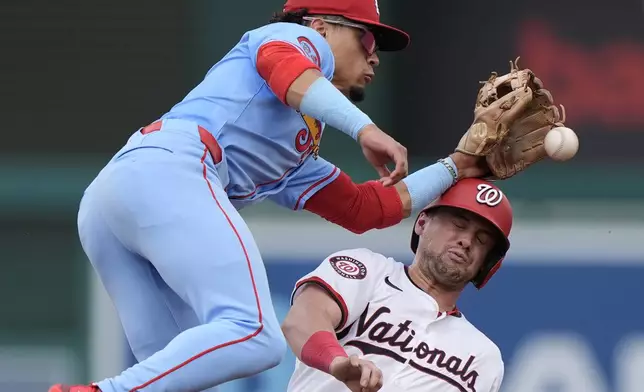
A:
500,101
519,144
523,146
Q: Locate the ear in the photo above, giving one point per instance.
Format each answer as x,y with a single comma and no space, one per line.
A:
421,223
320,26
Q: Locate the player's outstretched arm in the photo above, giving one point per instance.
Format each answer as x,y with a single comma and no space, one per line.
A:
299,82
309,330
315,96
370,205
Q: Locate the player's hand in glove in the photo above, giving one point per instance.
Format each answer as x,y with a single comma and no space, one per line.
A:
524,144
381,149
470,166
500,102
357,374
512,115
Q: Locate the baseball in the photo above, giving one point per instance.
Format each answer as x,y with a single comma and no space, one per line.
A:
561,143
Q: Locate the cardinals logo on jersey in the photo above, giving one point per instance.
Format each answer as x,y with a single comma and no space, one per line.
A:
307,140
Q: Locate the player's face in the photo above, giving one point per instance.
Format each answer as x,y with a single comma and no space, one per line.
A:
453,244
354,49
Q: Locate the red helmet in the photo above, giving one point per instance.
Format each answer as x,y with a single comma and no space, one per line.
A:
486,200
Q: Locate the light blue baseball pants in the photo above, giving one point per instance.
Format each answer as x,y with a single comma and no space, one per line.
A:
180,265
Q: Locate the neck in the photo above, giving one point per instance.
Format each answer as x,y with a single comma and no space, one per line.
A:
445,298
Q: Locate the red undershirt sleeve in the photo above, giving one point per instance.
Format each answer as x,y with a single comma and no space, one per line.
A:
357,207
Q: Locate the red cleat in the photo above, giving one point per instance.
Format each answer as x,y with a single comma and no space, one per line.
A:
74,388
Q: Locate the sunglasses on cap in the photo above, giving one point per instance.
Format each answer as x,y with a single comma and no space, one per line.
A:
367,39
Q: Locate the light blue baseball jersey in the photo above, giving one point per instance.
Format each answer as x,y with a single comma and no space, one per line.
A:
270,148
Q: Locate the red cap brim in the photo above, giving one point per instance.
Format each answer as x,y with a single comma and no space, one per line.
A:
388,39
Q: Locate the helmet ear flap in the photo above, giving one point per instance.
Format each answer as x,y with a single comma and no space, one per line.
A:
491,265
485,275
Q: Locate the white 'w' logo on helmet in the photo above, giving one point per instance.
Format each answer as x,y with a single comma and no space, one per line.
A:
488,195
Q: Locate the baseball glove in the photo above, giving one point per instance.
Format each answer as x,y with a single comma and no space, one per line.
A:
519,144
500,102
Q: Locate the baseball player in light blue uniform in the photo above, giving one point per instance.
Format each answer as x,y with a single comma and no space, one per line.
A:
160,222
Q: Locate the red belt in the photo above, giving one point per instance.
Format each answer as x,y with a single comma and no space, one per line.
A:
206,138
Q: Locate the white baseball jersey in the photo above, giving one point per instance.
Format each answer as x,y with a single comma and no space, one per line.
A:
390,321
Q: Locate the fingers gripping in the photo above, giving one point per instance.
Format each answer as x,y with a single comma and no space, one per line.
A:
366,375
399,156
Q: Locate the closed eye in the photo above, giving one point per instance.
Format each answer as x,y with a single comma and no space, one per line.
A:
484,238
461,224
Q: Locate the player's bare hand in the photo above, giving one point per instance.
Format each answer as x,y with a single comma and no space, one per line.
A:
469,166
381,149
357,374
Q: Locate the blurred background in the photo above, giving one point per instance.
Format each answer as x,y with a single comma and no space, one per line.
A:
78,77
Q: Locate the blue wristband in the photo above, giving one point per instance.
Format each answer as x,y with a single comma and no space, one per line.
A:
326,103
427,184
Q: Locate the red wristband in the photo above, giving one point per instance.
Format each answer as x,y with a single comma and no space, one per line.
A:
320,350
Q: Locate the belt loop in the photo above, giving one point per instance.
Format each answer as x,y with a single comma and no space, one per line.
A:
206,138
155,126
211,144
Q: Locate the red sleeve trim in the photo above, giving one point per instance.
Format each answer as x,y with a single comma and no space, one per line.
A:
357,207
332,293
280,63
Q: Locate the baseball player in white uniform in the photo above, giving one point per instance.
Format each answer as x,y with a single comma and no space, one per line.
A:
364,322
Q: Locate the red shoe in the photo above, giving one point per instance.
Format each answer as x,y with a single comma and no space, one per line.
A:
74,388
